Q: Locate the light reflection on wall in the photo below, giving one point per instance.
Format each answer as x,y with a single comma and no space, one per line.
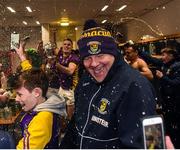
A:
158,32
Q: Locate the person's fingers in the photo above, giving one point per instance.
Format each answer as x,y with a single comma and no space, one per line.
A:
20,49
157,71
169,144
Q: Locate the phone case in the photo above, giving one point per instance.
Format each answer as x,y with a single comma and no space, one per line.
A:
153,132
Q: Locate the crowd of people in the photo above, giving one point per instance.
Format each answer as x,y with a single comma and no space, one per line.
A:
104,104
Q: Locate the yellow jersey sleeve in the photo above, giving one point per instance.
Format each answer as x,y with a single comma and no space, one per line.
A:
26,65
38,133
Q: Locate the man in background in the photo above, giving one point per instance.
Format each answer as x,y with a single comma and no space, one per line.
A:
132,58
67,67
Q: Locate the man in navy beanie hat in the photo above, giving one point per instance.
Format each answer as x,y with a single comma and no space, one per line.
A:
110,100
97,41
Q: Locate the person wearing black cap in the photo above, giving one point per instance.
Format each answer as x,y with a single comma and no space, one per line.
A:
110,98
169,77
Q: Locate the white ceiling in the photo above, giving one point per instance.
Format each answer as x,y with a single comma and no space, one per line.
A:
51,11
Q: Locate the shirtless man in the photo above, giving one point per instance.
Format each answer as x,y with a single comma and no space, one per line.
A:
132,58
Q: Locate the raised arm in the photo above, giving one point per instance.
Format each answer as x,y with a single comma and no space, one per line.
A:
25,64
67,70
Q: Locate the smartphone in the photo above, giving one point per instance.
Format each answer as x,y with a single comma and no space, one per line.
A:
14,41
153,132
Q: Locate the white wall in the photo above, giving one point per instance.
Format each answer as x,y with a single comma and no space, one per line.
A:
166,20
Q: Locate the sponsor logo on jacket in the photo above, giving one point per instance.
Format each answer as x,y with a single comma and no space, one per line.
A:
100,121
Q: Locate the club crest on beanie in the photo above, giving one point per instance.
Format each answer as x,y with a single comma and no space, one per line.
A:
96,41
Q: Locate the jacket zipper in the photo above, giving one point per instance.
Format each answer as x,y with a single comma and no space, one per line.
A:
89,107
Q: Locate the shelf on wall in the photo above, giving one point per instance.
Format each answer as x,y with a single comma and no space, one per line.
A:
171,36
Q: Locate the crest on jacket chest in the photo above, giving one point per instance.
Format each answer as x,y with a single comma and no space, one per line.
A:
103,106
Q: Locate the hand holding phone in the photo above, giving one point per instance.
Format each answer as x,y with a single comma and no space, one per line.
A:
16,41
21,48
153,132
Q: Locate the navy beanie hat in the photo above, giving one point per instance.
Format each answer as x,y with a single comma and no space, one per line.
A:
96,41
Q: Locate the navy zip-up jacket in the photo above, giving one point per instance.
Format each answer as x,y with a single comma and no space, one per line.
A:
169,83
108,114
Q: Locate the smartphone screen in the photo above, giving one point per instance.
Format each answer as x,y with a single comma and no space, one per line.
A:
153,132
14,41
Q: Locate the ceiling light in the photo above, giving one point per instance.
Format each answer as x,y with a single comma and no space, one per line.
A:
103,21
37,22
12,10
64,24
24,22
29,9
104,8
76,28
121,8
64,21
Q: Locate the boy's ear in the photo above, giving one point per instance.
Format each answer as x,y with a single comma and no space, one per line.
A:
36,92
